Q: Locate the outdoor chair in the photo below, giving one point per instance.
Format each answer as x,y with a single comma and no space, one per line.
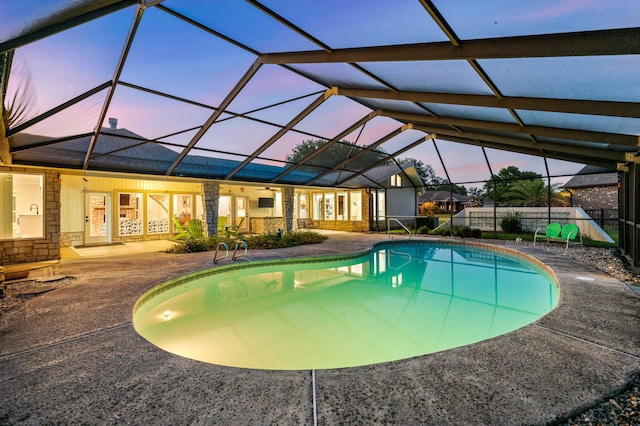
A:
182,230
569,233
305,223
232,231
551,231
195,227
222,223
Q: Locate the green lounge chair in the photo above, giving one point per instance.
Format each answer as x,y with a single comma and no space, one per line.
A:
195,228
182,230
232,231
551,231
570,234
222,223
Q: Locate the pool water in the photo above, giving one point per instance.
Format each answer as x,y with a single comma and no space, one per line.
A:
396,302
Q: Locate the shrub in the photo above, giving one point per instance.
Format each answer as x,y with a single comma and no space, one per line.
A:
290,239
424,229
511,223
267,241
193,245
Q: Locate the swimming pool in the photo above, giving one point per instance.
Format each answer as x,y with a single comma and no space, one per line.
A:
397,301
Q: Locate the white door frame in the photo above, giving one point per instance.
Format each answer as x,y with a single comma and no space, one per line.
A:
97,232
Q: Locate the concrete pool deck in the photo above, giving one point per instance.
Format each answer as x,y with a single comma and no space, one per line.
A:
72,356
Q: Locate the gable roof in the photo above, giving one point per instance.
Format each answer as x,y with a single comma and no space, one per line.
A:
377,177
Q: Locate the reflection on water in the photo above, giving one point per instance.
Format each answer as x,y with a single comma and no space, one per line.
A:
398,302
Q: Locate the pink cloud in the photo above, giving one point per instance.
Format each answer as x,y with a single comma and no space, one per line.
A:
568,7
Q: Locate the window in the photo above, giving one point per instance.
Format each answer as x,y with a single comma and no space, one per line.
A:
21,206
381,205
158,213
355,198
328,207
342,206
129,215
396,180
304,205
317,206
182,208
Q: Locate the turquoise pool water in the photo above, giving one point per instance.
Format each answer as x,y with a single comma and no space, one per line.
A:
397,301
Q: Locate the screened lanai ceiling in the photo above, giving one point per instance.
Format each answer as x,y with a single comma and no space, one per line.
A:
228,89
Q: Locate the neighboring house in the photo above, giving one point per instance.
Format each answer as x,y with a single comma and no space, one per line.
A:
444,200
42,209
594,188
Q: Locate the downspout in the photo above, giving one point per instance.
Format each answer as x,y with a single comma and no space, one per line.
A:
546,166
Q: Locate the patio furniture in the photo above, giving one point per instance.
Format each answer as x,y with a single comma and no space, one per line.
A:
569,233
305,223
182,230
222,223
232,231
195,228
551,231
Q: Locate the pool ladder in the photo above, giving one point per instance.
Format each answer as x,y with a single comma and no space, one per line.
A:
399,223
235,255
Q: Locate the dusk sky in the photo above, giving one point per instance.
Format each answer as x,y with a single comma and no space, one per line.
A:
170,56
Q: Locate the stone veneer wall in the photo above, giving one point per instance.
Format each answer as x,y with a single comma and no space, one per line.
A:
37,249
287,208
266,225
211,198
71,239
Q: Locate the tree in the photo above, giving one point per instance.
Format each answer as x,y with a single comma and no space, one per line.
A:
16,109
476,195
425,171
533,193
505,179
333,155
445,186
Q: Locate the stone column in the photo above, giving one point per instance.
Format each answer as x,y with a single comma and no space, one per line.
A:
211,198
287,207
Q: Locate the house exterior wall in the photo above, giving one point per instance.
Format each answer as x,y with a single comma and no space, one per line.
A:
594,198
37,249
72,196
64,194
401,202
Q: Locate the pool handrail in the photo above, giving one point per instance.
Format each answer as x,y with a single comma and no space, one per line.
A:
226,248
235,251
399,223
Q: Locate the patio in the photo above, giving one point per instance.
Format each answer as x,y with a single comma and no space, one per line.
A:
72,356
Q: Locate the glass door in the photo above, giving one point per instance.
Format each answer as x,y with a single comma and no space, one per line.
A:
97,219
242,212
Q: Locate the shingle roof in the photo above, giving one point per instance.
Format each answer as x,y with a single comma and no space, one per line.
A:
441,196
591,176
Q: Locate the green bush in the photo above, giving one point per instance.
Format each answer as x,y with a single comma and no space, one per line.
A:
424,229
193,245
267,241
511,223
290,239
445,231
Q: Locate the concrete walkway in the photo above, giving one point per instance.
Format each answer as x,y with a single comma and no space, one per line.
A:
72,356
